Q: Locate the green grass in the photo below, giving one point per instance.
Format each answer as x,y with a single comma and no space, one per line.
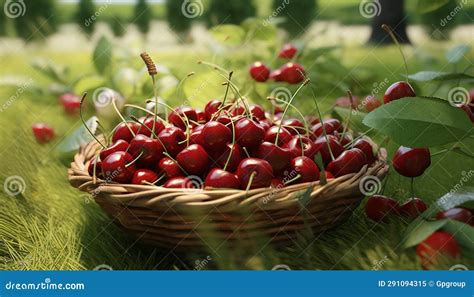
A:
54,226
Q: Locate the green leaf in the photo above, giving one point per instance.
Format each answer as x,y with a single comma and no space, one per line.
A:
314,53
424,6
69,145
88,83
455,54
304,199
51,70
420,230
102,55
258,30
201,87
228,34
463,233
357,118
420,122
439,76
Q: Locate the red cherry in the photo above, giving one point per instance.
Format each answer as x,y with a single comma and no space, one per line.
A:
292,73
371,103
148,122
211,108
458,214
279,158
328,174
283,138
180,183
193,159
301,145
201,116
114,167
144,175
148,150
259,72
398,90
276,75
218,178
122,132
412,208
196,136
438,244
173,139
306,168
223,119
294,126
118,146
98,168
257,112
277,183
287,52
169,168
71,103
365,146
248,133
220,158
411,162
346,138
379,208
330,125
238,110
181,115
215,135
321,146
265,123
42,132
258,171
468,111
350,161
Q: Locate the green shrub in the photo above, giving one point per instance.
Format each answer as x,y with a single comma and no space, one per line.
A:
117,25
35,20
143,16
85,16
177,20
298,15
229,12
438,23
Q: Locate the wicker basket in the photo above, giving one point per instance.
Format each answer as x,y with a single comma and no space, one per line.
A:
180,219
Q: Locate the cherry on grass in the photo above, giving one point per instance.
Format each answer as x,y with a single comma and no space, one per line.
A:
259,72
71,103
379,208
437,245
287,52
412,208
42,132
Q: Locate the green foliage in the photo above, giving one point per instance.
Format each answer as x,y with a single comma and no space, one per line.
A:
143,16
85,16
118,26
440,21
298,14
35,19
229,12
102,55
177,21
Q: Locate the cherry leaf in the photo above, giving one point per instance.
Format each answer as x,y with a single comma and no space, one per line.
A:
439,76
463,233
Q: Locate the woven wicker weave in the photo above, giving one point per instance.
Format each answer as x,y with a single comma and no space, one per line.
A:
183,218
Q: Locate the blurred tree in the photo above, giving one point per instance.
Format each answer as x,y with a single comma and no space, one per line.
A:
33,21
392,13
298,15
436,22
177,20
143,16
229,12
85,16
117,25
3,20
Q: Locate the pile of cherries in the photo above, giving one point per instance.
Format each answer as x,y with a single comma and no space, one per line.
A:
228,146
292,73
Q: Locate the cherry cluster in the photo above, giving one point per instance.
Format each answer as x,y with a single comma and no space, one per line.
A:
229,146
292,73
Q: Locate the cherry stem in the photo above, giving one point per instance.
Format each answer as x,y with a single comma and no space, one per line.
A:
292,180
394,38
152,132
233,141
84,122
227,88
179,87
102,130
134,160
322,123
183,118
172,159
252,175
246,152
348,121
121,117
156,105
297,111
286,108
362,135
145,110
215,66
